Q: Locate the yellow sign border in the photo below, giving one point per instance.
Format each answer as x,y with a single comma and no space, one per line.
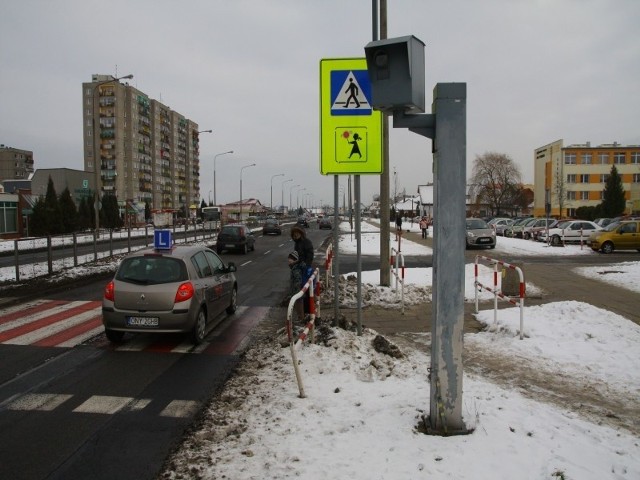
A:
329,165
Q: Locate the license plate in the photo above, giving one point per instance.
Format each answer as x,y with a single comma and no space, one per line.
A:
230,245
484,240
142,321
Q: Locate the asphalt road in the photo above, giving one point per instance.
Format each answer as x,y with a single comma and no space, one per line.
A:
91,410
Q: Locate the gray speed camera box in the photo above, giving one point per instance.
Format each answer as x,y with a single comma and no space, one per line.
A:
396,73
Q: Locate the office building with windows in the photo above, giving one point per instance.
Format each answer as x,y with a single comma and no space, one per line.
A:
574,176
143,151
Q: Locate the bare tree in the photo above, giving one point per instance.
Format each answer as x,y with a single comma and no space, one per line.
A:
560,191
495,178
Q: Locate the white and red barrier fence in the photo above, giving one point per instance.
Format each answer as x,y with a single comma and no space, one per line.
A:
312,287
396,263
497,292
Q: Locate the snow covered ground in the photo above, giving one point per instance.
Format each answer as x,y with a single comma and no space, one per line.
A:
361,415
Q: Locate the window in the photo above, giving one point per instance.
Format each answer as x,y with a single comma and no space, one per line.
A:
635,157
569,158
603,177
636,178
584,195
603,158
571,178
586,158
571,195
618,158
584,178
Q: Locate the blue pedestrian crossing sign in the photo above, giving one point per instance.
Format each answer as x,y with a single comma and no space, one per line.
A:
162,240
351,131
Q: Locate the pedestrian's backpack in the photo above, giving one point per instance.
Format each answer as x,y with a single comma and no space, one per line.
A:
306,275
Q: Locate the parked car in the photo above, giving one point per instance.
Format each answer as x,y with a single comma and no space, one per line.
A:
569,231
302,222
623,235
603,222
528,228
325,222
183,289
500,224
271,226
235,237
479,234
515,230
536,231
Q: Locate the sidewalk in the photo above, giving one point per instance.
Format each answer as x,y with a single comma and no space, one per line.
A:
558,284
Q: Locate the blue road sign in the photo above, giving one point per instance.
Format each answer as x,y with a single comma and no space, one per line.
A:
350,92
162,240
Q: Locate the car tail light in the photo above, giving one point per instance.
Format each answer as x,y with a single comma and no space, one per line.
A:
110,291
184,293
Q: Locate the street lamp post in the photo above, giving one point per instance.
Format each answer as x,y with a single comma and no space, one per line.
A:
298,196
291,190
214,174
282,192
97,166
241,169
274,176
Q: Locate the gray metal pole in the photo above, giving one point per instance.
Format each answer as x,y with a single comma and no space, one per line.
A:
449,166
336,253
356,187
385,218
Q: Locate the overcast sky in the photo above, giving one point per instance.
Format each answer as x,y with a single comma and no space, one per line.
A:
536,71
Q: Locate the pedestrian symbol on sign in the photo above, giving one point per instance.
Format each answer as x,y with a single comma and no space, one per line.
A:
350,90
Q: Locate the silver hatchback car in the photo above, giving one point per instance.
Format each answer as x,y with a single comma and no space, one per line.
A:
479,234
182,289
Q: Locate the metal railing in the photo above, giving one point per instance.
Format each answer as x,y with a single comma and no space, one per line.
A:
396,263
311,287
497,293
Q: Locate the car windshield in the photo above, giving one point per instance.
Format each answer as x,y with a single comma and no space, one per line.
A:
563,224
476,224
151,269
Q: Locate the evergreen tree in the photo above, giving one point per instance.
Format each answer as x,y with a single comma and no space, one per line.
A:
68,211
613,201
110,213
85,219
53,220
38,220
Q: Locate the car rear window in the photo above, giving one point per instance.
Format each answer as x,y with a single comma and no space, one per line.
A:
156,269
233,231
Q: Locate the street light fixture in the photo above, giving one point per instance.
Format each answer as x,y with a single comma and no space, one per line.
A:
97,167
278,175
214,174
241,169
205,131
282,192
298,196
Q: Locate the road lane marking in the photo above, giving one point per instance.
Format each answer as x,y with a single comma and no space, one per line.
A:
105,404
44,402
180,409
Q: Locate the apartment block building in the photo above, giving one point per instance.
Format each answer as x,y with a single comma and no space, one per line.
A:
139,149
575,176
15,164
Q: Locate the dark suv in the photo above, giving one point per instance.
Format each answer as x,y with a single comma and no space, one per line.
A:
235,237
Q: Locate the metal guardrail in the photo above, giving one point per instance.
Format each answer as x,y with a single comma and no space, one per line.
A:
312,287
61,252
396,263
497,293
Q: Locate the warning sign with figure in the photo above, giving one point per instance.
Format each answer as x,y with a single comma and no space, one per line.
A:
350,91
351,131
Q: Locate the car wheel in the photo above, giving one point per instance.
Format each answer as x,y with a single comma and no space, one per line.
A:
197,334
244,249
526,236
114,336
556,240
233,305
607,247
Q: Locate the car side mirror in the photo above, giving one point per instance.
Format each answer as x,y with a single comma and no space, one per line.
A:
231,267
